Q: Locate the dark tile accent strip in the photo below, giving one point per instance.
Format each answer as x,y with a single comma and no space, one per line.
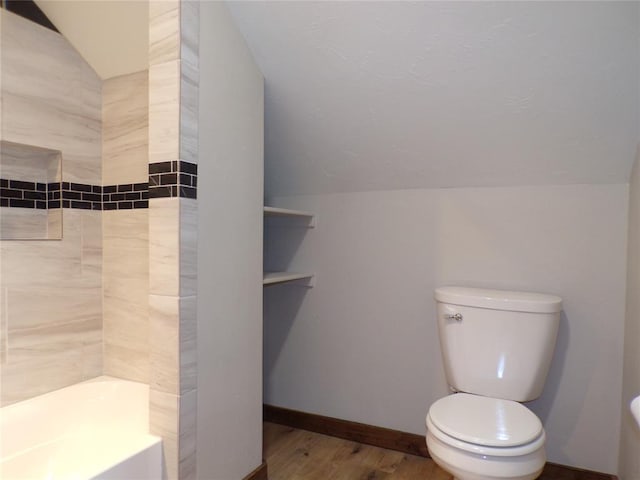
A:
17,193
173,179
16,202
125,196
22,194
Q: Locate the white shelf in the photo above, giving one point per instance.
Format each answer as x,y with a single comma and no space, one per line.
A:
285,212
272,278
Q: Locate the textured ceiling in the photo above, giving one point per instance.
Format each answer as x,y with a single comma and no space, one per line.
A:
390,95
112,36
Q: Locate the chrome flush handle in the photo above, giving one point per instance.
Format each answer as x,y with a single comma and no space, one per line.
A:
455,316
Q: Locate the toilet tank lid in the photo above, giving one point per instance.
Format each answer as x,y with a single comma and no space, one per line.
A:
499,299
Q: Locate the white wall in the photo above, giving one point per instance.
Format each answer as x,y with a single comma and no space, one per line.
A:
362,344
391,95
230,186
629,468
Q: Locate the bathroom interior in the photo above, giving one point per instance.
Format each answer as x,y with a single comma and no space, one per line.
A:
403,146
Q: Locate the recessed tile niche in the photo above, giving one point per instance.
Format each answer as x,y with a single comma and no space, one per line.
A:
30,188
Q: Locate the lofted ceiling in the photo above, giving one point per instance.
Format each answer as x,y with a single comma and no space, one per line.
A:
111,35
393,95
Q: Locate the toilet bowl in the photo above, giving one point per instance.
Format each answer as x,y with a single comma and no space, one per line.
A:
483,438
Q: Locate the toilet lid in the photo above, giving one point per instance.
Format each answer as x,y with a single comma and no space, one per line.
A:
485,421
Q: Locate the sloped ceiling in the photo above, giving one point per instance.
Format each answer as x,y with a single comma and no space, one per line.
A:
111,35
392,95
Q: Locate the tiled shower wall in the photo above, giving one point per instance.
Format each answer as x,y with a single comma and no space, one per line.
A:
126,230
135,238
76,308
51,290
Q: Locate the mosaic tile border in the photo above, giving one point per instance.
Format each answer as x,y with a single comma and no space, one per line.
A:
166,180
125,196
16,193
173,179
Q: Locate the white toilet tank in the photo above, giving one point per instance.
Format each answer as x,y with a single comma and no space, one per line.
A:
497,343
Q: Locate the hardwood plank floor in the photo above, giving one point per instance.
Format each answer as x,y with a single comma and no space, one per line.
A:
293,454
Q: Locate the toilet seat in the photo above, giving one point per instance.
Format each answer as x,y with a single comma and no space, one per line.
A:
485,426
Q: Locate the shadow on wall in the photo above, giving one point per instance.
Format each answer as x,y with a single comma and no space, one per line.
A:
283,236
281,306
542,406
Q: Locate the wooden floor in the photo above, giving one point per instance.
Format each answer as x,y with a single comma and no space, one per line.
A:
297,454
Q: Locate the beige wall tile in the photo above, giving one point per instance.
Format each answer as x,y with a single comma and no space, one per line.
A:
57,331
50,97
125,125
51,262
40,374
188,247
92,360
124,362
173,417
50,340
190,32
164,31
81,163
52,323
164,340
91,246
188,344
34,309
54,224
164,244
163,421
164,111
126,294
3,326
188,438
29,163
172,343
173,246
23,223
189,113
126,234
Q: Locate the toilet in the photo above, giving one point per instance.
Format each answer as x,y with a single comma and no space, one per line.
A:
497,347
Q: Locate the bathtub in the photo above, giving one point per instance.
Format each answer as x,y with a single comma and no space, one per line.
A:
93,430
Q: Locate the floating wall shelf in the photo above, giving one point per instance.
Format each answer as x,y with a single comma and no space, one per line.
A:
285,212
274,278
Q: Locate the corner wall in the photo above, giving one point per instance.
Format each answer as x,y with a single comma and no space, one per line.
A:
629,467
229,251
173,170
362,344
